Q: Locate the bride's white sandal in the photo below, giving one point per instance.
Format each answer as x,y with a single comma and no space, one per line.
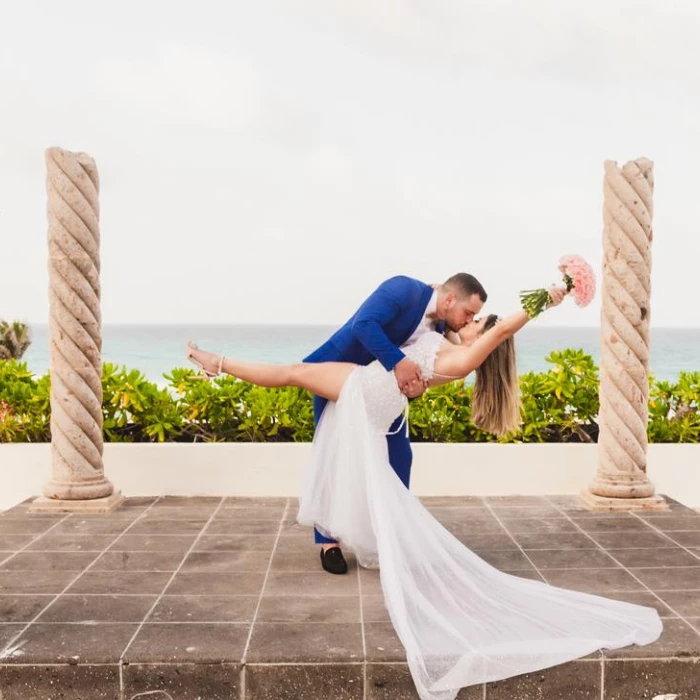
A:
205,373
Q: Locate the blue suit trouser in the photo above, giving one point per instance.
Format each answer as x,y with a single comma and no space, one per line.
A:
400,454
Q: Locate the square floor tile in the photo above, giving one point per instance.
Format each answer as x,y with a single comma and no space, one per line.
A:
71,543
673,523
202,513
235,543
275,513
320,583
255,501
505,558
150,543
302,543
370,582
592,580
516,501
382,642
9,631
306,560
216,584
189,501
374,609
331,609
115,560
205,562
677,638
25,526
73,643
571,559
188,642
121,582
670,578
152,526
38,582
539,526
686,538
14,543
532,574
49,561
657,557
685,603
507,513
91,526
566,540
243,527
618,523
453,501
205,608
645,598
22,608
98,608
277,642
617,540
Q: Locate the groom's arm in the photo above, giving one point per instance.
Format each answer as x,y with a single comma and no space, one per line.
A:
380,309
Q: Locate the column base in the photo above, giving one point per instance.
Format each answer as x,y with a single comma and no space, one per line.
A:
609,504
95,505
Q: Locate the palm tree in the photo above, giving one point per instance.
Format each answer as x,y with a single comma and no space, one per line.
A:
15,338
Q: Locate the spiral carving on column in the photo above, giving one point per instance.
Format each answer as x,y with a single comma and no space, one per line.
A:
75,327
624,388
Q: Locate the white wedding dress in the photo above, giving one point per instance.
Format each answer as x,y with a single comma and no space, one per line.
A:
460,620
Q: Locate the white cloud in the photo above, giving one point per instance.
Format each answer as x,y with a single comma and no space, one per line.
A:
597,41
183,85
327,145
329,164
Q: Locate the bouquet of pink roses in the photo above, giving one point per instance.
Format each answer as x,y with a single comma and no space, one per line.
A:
578,277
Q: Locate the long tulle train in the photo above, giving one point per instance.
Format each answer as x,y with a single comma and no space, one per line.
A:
460,620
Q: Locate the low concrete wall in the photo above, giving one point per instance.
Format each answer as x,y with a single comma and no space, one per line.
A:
254,469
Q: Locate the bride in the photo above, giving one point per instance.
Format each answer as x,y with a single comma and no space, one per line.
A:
461,620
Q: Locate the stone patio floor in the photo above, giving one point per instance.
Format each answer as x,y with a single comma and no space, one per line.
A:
223,598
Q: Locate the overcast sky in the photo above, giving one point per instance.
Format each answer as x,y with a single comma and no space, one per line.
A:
274,161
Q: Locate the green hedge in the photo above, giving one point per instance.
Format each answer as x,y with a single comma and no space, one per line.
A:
560,405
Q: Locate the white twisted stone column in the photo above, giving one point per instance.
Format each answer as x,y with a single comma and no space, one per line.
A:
622,482
78,481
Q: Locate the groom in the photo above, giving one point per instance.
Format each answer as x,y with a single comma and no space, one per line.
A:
397,313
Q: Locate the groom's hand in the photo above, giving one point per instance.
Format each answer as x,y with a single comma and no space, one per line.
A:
415,388
408,378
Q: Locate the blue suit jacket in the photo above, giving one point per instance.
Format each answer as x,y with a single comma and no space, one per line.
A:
385,321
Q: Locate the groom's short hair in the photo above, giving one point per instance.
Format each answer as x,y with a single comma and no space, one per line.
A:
464,285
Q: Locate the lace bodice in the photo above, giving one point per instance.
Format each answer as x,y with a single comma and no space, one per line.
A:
383,399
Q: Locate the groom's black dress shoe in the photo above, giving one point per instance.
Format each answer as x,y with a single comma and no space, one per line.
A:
333,561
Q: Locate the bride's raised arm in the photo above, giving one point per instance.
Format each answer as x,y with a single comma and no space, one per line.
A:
463,360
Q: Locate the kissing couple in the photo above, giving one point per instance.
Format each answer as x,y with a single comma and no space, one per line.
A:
461,621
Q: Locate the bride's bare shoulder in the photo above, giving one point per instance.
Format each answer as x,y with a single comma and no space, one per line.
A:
448,348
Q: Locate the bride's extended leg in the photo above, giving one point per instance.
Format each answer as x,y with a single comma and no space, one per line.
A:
325,379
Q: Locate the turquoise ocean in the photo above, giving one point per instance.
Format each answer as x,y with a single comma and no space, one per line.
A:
156,349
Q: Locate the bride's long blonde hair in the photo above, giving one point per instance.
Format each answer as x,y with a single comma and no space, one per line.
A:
496,397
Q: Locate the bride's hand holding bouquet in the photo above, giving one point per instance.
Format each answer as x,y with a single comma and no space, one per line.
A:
578,278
